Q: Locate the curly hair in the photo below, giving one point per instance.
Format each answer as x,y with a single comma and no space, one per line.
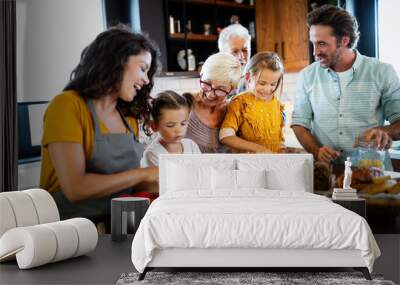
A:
342,22
101,68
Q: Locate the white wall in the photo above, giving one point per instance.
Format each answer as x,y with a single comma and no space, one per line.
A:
50,37
388,25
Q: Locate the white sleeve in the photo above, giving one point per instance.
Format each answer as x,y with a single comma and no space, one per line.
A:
226,132
195,147
150,158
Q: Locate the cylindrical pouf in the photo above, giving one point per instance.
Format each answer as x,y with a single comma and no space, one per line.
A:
67,239
23,208
40,244
7,217
45,205
33,246
87,235
121,214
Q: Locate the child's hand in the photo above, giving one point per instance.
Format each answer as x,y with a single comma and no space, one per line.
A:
291,150
262,149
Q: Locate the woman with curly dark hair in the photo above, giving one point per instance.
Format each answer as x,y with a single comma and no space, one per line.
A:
90,148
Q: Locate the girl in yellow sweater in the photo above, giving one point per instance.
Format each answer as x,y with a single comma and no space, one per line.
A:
254,120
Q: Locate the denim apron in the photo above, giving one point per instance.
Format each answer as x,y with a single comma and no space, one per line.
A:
112,153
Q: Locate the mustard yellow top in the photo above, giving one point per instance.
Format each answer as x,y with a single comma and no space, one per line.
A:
68,119
256,120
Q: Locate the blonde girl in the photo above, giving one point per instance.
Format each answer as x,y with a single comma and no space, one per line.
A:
254,120
170,114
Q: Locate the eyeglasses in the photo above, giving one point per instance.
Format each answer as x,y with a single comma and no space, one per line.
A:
207,88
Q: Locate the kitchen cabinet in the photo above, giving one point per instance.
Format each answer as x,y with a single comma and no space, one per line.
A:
195,25
281,27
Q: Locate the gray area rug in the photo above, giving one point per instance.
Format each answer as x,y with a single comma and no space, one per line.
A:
229,278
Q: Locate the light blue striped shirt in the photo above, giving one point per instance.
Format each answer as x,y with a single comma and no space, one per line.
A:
337,116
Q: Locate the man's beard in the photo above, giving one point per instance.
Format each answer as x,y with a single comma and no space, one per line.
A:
332,60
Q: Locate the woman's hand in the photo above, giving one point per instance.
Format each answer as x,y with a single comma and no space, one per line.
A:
150,180
77,184
151,174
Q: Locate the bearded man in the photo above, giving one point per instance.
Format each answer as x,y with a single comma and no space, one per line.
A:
344,97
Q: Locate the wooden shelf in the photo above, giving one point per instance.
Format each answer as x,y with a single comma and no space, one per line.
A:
234,5
201,2
193,37
207,2
216,13
220,3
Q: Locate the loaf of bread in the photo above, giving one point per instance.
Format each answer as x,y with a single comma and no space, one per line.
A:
370,180
394,189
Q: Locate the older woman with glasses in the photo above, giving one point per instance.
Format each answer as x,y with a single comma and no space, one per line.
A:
219,77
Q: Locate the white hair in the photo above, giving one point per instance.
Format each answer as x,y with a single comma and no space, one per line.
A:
222,67
234,30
